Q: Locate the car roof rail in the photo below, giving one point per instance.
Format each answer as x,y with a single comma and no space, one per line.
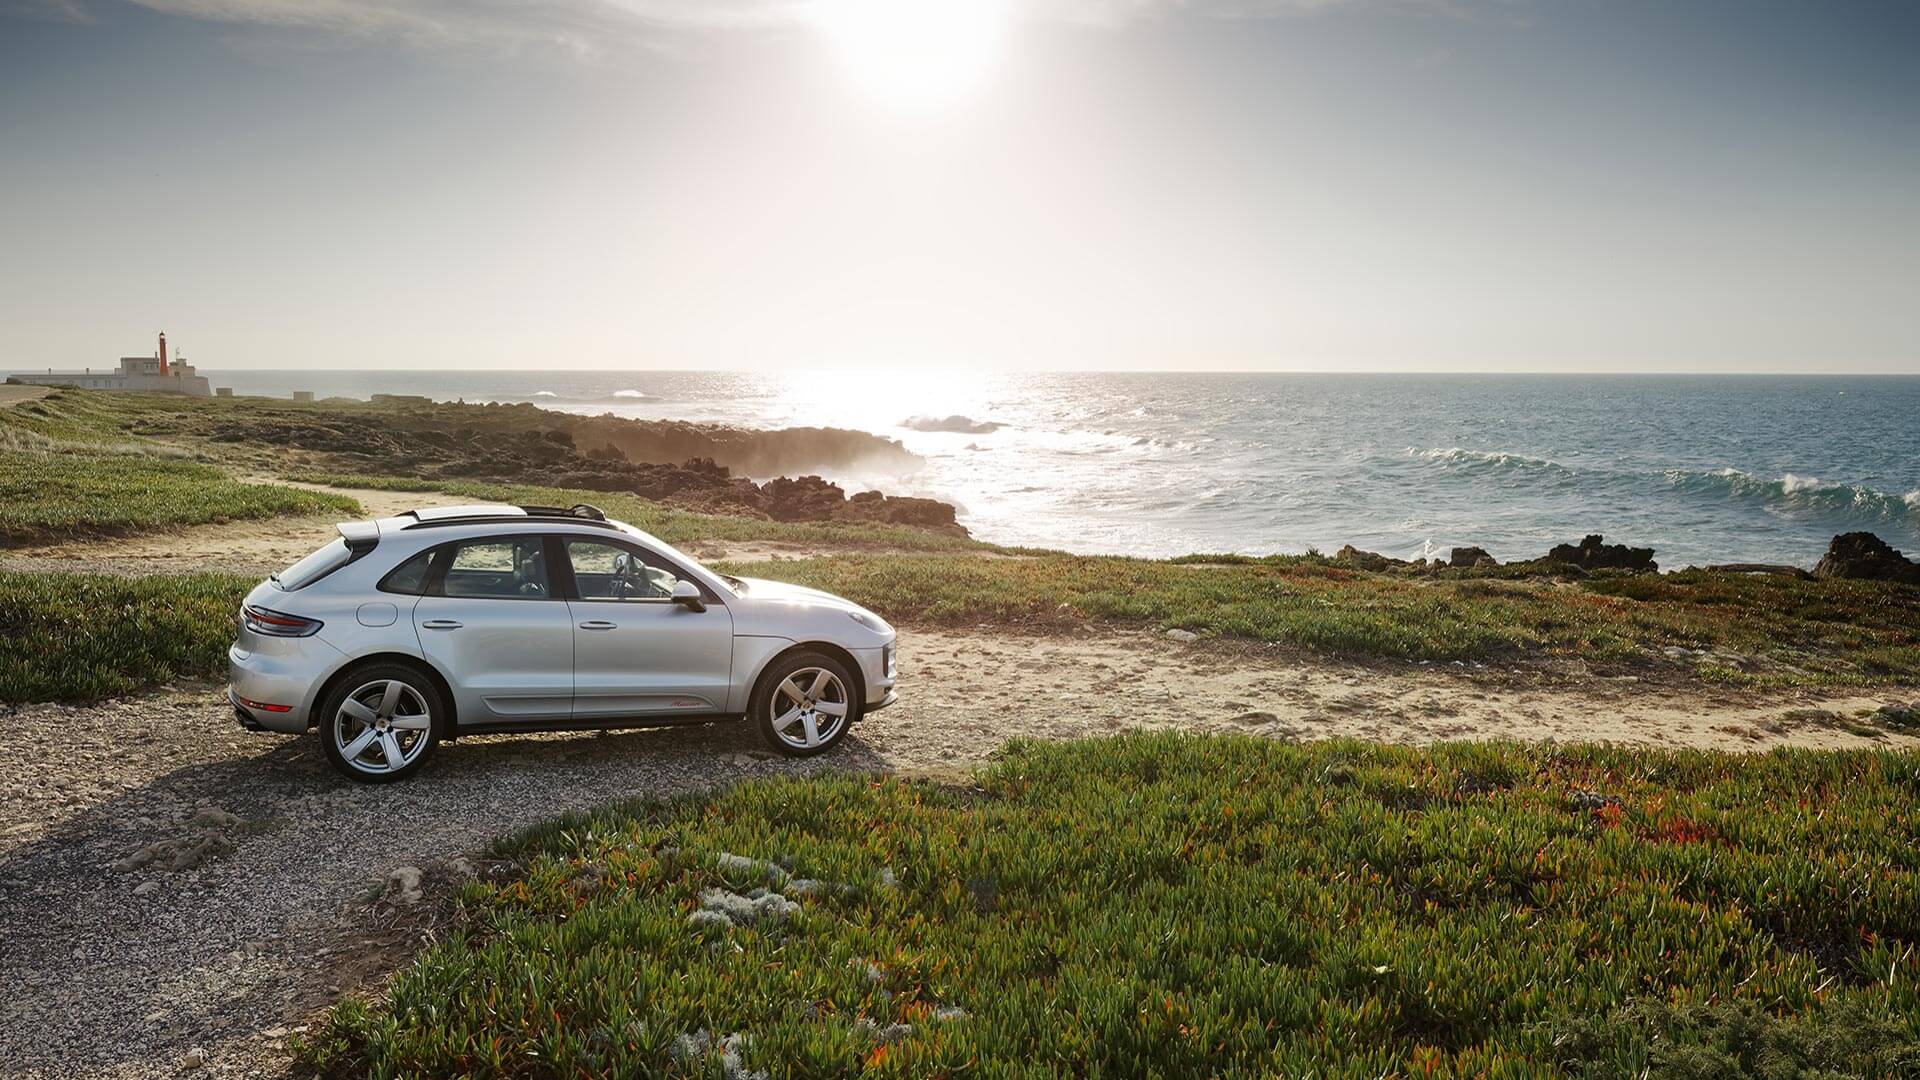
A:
587,511
531,516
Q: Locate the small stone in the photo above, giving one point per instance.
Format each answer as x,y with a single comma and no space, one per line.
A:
403,885
212,818
1183,636
146,888
1251,718
193,1059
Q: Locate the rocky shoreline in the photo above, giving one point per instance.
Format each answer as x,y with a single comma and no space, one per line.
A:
1857,555
525,444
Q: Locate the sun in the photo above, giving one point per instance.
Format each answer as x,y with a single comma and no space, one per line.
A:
915,54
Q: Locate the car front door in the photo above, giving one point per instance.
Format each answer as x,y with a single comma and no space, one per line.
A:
635,651
493,622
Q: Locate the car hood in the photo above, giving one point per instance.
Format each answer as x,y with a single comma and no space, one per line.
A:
775,596
780,592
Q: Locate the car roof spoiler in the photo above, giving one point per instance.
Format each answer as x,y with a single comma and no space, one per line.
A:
359,535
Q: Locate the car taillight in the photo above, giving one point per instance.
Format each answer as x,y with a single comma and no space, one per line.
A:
276,623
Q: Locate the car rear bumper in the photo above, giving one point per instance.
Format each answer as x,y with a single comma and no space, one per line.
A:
270,694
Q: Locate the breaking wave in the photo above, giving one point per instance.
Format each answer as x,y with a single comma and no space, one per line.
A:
1801,494
1457,458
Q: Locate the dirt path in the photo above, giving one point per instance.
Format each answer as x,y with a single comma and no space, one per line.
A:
267,545
14,395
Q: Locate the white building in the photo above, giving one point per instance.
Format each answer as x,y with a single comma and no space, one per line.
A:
149,373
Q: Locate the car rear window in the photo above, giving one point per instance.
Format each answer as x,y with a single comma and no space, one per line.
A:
411,577
315,566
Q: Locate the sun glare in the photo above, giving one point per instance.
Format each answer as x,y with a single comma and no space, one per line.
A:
915,54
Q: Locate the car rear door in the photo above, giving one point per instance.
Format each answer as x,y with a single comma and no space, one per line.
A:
635,651
494,624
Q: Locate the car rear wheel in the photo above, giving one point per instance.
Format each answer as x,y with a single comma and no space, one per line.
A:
805,704
381,722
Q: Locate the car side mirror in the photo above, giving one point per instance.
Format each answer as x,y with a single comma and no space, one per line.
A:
687,595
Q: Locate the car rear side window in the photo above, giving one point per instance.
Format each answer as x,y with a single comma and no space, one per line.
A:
410,577
506,569
315,566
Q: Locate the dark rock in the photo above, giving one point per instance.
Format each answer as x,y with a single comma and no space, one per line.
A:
962,425
900,510
808,498
1472,556
1366,560
1592,554
1865,556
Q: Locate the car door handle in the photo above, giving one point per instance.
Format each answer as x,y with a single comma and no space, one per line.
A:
441,624
598,624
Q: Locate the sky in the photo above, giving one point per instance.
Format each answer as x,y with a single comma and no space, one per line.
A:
1349,185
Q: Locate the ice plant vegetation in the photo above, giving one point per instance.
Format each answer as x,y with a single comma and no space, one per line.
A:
1192,906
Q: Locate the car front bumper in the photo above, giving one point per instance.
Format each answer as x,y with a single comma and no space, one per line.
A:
877,673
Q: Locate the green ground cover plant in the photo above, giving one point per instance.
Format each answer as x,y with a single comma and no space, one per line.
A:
77,637
56,492
1164,905
1758,629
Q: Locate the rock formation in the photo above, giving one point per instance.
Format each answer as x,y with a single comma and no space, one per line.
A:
1593,554
1471,557
1864,555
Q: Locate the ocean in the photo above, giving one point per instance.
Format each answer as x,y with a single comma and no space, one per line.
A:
1703,469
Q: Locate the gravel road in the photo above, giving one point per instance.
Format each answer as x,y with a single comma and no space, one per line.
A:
142,971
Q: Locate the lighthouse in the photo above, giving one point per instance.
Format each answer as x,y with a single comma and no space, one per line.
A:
163,352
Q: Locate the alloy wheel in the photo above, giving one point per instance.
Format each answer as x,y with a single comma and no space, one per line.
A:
382,726
809,707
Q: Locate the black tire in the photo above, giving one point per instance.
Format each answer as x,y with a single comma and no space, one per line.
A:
770,705
419,694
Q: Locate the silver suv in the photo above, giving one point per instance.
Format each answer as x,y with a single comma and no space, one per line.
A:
473,620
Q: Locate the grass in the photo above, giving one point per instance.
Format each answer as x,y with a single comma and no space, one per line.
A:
67,637
58,492
1758,629
1161,905
673,525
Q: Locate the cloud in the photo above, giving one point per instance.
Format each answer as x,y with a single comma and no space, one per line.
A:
70,11
590,27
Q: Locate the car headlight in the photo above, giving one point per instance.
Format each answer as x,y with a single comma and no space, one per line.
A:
870,621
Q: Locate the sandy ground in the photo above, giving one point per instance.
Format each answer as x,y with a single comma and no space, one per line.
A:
122,970
13,395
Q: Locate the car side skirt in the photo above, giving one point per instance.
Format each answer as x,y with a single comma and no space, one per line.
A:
596,723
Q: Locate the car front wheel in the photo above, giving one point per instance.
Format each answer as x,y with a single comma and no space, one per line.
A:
805,704
381,722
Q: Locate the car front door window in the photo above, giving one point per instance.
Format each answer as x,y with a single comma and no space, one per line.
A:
604,571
